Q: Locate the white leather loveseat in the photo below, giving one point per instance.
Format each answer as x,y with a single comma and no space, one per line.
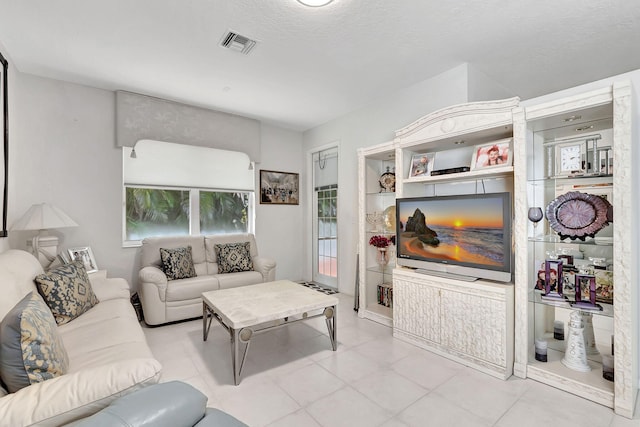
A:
108,355
165,300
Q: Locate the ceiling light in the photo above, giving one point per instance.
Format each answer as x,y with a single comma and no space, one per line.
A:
315,3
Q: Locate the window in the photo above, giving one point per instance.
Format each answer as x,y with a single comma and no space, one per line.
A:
168,212
156,212
327,231
223,212
174,189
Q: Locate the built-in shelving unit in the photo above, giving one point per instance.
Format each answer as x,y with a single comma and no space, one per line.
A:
578,144
375,202
469,322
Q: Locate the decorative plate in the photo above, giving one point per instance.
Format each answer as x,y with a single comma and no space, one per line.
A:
388,181
578,215
389,216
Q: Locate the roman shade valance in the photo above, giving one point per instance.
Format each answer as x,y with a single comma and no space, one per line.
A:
144,117
165,164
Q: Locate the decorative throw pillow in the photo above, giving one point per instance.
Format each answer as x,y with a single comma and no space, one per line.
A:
177,263
31,350
67,291
233,257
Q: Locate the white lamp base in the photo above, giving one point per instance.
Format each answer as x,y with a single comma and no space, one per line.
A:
45,248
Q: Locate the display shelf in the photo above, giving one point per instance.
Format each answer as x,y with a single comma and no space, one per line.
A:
372,163
555,239
536,298
461,176
590,385
589,132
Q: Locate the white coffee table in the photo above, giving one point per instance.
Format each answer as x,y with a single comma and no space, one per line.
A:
248,310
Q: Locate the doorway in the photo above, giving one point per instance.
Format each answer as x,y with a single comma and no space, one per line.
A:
325,216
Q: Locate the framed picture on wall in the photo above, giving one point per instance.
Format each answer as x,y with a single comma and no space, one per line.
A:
84,254
493,154
279,188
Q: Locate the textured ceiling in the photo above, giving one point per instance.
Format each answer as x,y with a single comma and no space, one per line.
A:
314,64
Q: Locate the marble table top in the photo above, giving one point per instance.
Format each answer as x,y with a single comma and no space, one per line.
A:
254,304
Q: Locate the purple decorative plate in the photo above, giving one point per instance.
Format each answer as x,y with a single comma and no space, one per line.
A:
578,215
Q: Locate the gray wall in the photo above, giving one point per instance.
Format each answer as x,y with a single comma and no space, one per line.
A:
63,152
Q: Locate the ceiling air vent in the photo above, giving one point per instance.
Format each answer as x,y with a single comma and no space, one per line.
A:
237,42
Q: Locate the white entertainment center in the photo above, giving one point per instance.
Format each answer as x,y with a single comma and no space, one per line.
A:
489,325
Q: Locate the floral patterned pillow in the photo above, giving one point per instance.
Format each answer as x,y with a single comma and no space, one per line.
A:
67,291
31,350
177,263
233,257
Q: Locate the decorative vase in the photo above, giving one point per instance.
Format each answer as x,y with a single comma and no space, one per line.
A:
382,257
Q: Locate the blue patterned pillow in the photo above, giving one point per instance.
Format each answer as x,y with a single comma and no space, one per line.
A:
67,291
31,350
233,257
177,263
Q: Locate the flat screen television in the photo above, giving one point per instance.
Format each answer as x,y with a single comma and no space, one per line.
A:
464,236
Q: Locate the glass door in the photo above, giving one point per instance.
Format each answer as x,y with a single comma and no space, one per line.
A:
325,217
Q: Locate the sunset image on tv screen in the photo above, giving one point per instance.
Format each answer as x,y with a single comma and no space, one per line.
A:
466,230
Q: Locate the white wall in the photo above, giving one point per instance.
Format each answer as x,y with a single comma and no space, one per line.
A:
63,151
279,227
370,125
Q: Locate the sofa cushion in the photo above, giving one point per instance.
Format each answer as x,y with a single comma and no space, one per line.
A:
31,350
189,289
177,263
67,291
233,257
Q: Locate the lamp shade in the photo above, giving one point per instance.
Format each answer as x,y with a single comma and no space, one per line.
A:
43,216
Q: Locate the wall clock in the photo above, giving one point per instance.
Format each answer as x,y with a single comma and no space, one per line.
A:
570,158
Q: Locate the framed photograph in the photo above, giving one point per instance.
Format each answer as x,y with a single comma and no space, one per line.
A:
4,131
422,164
586,289
493,154
279,188
604,286
566,259
84,254
552,277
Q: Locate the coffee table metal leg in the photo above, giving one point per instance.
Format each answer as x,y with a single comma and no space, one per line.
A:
330,314
239,336
206,315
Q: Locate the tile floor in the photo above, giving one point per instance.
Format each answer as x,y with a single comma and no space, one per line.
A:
292,378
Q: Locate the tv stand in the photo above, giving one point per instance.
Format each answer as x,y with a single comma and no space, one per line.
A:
446,275
471,323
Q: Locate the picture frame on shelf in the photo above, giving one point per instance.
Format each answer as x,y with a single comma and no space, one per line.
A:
553,277
422,164
586,289
604,286
84,254
279,188
493,154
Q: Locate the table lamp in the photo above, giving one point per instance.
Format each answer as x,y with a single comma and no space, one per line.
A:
43,217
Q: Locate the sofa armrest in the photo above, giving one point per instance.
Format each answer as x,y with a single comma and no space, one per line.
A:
156,277
266,267
69,397
168,404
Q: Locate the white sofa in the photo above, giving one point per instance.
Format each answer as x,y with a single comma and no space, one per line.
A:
108,353
166,300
